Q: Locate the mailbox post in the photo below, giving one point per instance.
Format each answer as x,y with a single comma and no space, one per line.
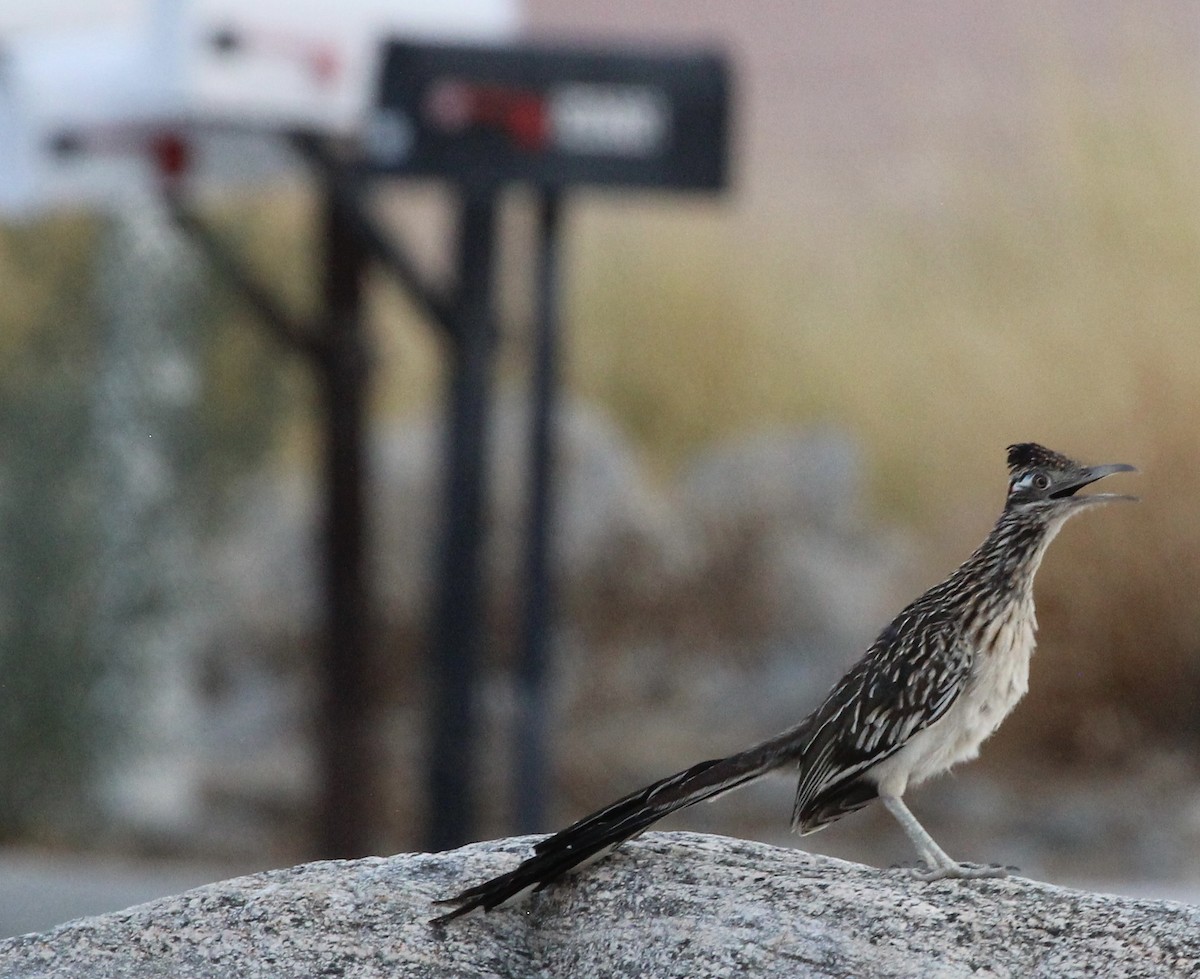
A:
484,117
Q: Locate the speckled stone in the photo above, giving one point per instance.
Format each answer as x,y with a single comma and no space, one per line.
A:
670,904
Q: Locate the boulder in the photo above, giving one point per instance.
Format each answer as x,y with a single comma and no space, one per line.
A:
669,904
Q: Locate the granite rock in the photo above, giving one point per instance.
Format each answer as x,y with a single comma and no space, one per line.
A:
669,904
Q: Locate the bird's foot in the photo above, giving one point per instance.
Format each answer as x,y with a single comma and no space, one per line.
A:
959,871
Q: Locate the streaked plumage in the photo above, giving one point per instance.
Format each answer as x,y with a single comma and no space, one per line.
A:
925,695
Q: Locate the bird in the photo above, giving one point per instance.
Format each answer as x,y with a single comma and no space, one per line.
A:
926,694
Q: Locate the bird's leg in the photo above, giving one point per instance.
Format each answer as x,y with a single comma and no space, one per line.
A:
940,864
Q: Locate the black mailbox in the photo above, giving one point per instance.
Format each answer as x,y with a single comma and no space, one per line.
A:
552,116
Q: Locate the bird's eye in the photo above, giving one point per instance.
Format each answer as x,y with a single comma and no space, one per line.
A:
1041,481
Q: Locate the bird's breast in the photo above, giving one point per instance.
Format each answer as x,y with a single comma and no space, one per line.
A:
1000,672
999,678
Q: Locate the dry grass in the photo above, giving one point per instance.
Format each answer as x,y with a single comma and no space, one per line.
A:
1055,297
1057,300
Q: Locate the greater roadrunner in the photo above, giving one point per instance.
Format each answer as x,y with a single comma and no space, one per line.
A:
926,694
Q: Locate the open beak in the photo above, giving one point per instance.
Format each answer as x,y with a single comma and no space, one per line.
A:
1088,476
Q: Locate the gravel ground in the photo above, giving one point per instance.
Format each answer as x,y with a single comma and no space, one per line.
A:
39,890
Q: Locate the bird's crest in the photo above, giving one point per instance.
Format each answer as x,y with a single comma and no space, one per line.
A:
1029,455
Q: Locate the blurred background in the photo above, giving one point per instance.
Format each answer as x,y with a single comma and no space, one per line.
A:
950,228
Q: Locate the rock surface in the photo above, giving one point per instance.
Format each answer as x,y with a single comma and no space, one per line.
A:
670,904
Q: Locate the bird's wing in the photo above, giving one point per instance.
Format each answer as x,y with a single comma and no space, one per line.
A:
907,679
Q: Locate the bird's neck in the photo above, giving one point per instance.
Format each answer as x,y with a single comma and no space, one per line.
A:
1004,565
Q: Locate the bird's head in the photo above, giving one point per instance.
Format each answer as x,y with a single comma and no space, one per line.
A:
1047,482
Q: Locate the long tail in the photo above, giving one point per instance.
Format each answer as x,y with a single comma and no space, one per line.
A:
594,837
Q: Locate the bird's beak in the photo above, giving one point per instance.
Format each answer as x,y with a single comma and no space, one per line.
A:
1088,476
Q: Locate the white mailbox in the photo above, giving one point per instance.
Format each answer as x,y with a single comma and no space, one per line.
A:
73,108
89,116
309,64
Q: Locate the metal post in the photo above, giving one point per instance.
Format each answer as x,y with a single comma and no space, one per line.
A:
459,608
529,809
343,741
